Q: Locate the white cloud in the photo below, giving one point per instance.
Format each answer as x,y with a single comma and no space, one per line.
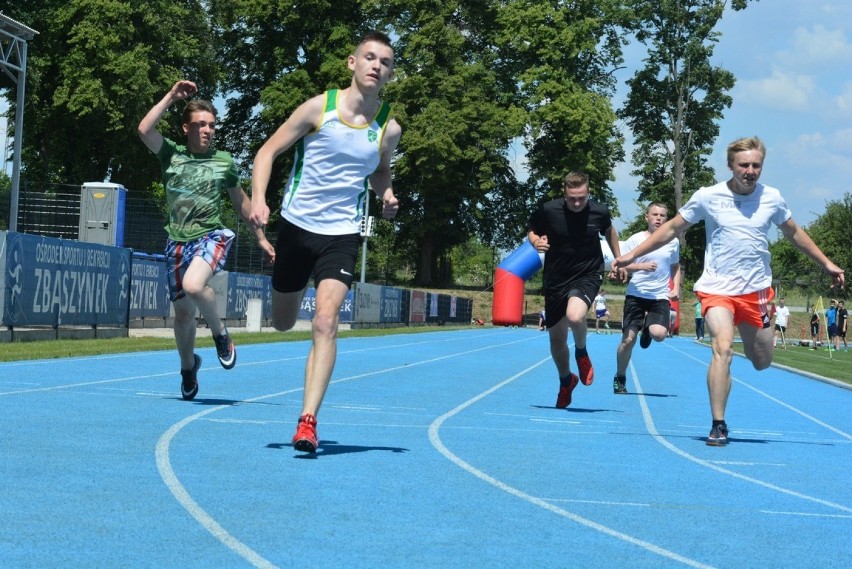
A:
843,101
783,90
815,45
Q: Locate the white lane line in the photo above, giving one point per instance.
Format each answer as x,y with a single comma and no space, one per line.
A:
652,430
806,514
173,483
843,434
435,439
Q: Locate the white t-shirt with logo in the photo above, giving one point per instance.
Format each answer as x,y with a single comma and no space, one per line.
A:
736,258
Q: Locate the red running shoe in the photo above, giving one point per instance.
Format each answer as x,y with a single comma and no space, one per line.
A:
566,386
587,372
305,439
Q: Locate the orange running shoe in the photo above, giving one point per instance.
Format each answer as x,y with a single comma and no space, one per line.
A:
566,386
305,439
587,372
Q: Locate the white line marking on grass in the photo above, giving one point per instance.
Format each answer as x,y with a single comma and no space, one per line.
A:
164,465
652,430
435,439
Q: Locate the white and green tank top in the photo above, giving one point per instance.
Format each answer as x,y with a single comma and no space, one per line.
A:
328,183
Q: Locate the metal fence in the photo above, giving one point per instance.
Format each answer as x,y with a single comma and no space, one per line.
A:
53,210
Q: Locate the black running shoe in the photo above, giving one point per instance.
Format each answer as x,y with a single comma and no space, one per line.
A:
718,436
645,338
189,381
226,350
619,385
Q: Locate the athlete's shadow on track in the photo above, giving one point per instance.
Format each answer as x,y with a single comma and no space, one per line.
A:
229,402
330,448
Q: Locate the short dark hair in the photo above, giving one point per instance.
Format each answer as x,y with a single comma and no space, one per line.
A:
657,204
375,35
195,106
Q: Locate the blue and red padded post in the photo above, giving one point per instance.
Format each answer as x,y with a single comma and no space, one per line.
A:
509,278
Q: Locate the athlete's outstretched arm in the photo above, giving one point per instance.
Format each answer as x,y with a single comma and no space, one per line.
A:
803,242
668,231
381,180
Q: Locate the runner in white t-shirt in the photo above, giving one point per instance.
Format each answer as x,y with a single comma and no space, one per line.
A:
735,287
646,304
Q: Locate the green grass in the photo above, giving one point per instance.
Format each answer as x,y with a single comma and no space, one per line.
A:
815,361
51,349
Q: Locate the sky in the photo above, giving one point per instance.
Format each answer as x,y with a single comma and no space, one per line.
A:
793,63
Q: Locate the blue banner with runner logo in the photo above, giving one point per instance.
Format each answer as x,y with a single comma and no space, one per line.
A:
59,282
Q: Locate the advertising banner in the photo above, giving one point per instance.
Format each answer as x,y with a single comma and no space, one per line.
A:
309,306
241,288
391,304
57,282
149,289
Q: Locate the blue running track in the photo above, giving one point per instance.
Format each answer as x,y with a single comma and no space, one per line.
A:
441,449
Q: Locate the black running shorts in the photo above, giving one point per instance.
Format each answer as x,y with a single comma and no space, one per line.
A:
300,254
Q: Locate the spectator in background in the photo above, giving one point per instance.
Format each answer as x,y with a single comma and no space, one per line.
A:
842,317
699,321
601,312
831,324
782,315
814,328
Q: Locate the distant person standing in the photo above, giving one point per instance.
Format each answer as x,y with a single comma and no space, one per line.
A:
195,176
699,321
735,286
842,317
831,324
814,328
567,230
646,304
601,312
782,315
541,320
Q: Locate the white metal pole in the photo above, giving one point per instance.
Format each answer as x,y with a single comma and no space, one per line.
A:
366,236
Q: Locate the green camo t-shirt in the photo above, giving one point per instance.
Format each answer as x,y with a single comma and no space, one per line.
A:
194,184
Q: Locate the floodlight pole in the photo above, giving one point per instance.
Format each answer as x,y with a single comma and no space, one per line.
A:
19,131
13,37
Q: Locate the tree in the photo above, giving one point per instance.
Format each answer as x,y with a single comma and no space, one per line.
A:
94,70
830,231
458,121
676,101
275,55
561,56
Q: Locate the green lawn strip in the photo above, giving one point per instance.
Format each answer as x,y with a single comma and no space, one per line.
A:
51,349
